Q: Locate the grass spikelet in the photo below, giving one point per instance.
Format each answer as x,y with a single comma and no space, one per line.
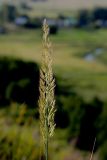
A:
46,100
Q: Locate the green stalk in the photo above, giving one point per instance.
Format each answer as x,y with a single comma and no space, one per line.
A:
46,125
46,117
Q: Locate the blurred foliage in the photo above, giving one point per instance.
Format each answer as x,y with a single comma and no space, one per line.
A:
77,120
19,81
16,141
103,151
101,125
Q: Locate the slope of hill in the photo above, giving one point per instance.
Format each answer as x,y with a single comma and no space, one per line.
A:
63,4
73,4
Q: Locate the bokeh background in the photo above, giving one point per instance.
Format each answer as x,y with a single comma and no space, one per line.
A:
78,31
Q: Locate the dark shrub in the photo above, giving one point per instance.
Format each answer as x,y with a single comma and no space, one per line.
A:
19,81
83,19
53,29
34,24
101,126
100,14
88,130
61,116
76,112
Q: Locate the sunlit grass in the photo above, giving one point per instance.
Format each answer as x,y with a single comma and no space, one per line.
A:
70,45
27,45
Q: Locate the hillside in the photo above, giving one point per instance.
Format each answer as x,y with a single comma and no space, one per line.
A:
64,4
73,4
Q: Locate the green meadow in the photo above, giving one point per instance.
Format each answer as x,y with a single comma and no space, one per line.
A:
69,48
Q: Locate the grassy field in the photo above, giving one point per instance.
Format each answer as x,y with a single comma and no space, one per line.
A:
54,7
68,4
88,77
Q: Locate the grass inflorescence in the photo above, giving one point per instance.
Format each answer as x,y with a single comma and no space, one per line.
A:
46,100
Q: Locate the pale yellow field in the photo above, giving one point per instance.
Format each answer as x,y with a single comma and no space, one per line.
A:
71,4
64,4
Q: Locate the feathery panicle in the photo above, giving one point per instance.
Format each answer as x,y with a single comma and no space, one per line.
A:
47,84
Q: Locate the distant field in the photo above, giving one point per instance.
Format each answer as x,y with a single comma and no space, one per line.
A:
88,78
65,4
72,4
53,7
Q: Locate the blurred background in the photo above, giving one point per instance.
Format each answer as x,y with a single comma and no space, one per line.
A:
78,31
